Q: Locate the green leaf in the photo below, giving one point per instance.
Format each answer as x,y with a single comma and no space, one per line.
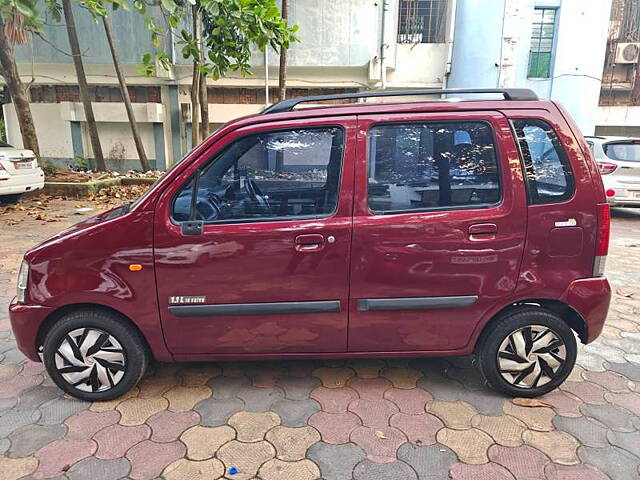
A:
169,5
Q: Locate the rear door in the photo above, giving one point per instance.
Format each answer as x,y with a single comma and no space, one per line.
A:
439,228
562,212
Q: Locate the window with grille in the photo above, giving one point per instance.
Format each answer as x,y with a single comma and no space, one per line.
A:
541,52
422,21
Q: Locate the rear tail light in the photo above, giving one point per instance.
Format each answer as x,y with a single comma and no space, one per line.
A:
610,193
606,168
602,241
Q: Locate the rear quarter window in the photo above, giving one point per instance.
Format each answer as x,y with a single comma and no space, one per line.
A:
548,172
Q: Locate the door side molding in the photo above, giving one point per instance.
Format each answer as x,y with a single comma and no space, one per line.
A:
415,303
274,308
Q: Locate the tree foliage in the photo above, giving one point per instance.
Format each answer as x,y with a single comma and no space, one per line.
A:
230,29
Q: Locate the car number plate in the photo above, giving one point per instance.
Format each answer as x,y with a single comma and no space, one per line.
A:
21,165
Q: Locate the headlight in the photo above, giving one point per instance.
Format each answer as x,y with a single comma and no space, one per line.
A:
23,276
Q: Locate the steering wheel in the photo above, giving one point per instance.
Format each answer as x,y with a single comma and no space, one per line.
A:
251,188
208,207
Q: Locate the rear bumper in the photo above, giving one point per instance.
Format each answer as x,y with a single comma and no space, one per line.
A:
590,297
22,183
25,323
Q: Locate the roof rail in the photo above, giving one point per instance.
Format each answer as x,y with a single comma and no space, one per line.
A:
508,94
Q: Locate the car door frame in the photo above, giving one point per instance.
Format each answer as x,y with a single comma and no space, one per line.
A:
340,218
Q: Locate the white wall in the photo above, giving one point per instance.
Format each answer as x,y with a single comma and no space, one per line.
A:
419,65
579,58
117,142
54,133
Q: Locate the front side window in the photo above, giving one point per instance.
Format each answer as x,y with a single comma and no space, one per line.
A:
541,51
432,165
273,175
548,173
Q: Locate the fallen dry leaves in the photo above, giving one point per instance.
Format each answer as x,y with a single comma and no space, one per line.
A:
529,402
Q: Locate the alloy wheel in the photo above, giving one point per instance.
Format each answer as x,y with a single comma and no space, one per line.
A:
531,356
90,360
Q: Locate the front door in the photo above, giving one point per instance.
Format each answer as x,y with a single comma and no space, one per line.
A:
439,228
269,270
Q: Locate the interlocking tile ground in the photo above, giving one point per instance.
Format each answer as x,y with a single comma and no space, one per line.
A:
367,419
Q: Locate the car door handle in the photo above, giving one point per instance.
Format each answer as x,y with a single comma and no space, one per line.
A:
483,231
311,242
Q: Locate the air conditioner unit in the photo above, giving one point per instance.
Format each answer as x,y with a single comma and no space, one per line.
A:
628,52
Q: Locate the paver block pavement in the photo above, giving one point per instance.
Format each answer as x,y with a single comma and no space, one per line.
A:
336,462
252,427
292,443
96,469
203,442
183,469
384,418
469,445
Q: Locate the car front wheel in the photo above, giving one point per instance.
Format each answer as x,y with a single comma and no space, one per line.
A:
527,353
94,355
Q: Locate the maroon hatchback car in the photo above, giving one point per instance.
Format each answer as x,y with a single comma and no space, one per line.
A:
368,229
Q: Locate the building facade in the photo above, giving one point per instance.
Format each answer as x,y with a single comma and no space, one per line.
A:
619,112
556,47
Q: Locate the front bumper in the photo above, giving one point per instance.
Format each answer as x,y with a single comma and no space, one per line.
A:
590,297
22,183
25,323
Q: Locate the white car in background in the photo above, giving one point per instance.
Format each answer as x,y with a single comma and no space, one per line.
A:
618,160
19,173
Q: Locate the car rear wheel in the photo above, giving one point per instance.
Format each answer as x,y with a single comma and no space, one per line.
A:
94,355
527,353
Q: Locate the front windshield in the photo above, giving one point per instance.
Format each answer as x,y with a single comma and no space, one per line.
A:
623,151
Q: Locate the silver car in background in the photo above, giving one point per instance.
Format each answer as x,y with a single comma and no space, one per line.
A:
618,160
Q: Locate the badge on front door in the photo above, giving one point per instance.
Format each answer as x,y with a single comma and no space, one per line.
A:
181,300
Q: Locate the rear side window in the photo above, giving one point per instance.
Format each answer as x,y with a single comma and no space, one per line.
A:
548,174
623,151
432,165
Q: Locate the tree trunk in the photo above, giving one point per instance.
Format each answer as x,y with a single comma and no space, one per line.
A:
82,85
195,85
204,107
144,162
18,94
282,72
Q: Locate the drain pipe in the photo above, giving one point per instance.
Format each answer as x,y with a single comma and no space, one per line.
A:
266,75
383,46
451,30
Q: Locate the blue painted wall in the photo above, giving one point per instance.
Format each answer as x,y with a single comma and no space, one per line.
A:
477,43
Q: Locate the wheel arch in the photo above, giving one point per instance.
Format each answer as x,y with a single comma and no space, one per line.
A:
564,311
54,316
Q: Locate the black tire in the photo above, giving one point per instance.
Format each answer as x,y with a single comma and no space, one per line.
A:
133,347
9,199
497,332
